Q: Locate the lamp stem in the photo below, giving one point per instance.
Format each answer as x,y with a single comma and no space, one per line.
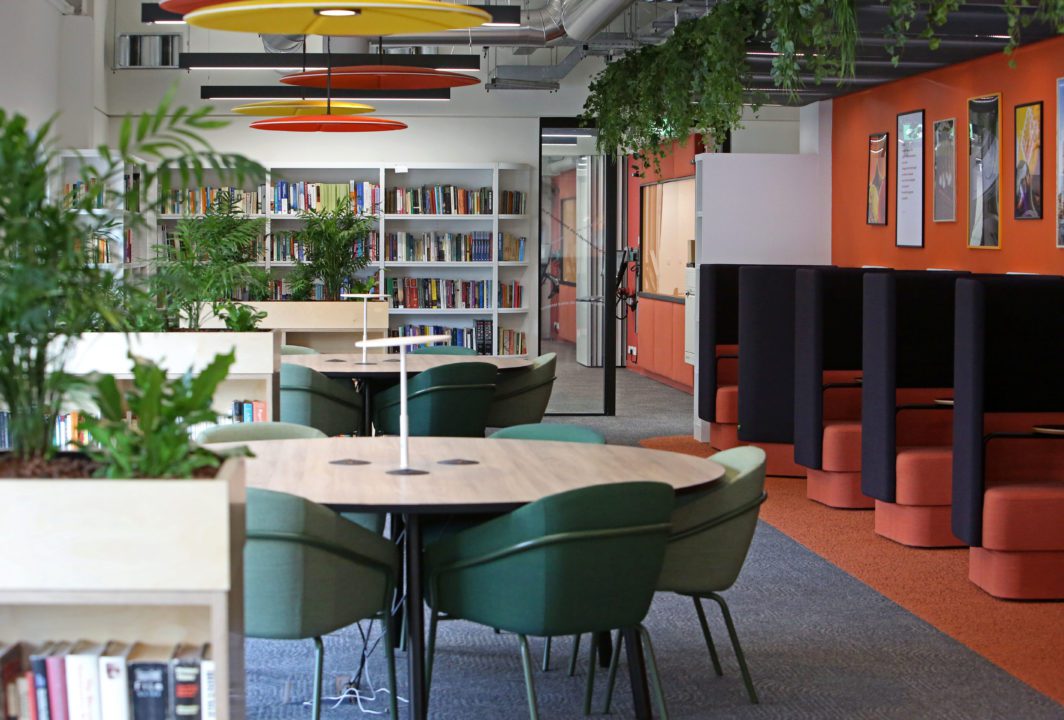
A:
365,321
404,425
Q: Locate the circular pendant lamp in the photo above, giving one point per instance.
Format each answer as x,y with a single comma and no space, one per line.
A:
328,123
186,6
281,108
381,77
337,17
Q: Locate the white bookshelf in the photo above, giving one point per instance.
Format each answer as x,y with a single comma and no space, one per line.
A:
388,176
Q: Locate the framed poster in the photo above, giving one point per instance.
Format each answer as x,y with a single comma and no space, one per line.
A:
876,211
944,204
1028,187
909,203
1060,163
984,171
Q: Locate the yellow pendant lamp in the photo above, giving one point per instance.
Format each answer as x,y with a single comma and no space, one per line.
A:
296,108
337,17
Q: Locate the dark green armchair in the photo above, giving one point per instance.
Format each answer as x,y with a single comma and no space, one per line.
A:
586,560
446,401
297,350
308,572
310,398
521,396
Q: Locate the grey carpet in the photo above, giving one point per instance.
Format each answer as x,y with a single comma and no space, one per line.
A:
820,645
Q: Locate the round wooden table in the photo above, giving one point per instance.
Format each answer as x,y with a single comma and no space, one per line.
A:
384,366
465,475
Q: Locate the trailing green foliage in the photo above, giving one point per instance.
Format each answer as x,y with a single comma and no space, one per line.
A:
239,317
330,238
143,432
212,257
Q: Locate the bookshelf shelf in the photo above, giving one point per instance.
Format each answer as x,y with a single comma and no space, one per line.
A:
483,264
512,311
430,218
440,311
513,217
513,263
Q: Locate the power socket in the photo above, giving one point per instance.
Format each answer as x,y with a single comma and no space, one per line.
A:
632,350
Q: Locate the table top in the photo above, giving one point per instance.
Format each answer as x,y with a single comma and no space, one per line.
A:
350,365
508,473
1049,429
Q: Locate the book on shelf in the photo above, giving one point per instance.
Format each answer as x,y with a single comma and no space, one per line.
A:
114,681
511,248
513,202
196,201
510,295
285,247
438,293
438,200
295,197
460,336
185,685
438,247
482,337
208,697
512,342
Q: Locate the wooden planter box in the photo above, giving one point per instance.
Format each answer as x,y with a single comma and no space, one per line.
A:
328,327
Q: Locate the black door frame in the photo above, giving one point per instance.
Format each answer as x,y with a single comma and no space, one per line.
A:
609,324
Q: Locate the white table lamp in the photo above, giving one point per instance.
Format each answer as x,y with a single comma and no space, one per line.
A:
404,422
365,298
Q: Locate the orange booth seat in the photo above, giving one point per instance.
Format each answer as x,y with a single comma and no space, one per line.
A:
718,352
724,428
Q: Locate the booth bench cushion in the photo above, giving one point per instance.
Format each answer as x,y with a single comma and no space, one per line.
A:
924,476
728,404
842,447
1024,517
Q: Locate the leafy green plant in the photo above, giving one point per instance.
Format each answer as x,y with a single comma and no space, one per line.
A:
143,432
330,239
212,258
239,317
51,289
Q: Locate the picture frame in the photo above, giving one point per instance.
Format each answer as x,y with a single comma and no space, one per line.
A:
1028,165
878,173
944,173
984,172
909,181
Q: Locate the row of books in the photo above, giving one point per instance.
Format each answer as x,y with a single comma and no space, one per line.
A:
292,198
438,200
285,247
281,289
65,436
460,336
75,192
511,248
196,201
511,295
85,680
483,332
513,202
438,293
512,342
438,247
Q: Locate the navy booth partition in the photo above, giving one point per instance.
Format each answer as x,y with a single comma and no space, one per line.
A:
718,349
766,364
906,436
1008,480
827,396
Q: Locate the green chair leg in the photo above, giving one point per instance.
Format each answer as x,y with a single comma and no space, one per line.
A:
747,680
319,672
615,658
526,664
572,658
389,656
430,651
589,686
709,638
546,654
652,668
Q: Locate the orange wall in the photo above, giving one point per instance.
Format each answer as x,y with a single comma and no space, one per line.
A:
1026,245
660,337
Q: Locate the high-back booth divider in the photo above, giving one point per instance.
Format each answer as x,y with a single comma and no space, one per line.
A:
1008,477
906,423
718,344
766,363
827,357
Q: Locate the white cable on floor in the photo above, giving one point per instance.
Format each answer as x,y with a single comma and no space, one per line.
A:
362,675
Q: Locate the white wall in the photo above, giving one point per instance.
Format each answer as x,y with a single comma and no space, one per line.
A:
29,54
772,129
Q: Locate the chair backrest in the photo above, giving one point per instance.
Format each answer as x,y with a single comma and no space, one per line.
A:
712,530
297,350
250,432
550,431
521,396
310,398
443,350
718,324
299,558
451,400
579,561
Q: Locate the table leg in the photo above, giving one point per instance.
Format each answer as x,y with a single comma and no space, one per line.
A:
637,673
400,583
367,416
415,620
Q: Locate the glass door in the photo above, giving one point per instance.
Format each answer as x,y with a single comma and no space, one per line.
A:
578,241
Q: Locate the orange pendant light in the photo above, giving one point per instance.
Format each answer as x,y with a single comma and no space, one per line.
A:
186,6
381,77
329,123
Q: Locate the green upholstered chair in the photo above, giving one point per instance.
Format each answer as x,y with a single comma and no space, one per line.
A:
251,432
521,396
559,432
308,572
443,350
445,401
711,535
297,350
310,398
586,560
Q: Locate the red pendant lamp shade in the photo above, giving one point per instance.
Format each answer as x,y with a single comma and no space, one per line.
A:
381,77
182,7
328,123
